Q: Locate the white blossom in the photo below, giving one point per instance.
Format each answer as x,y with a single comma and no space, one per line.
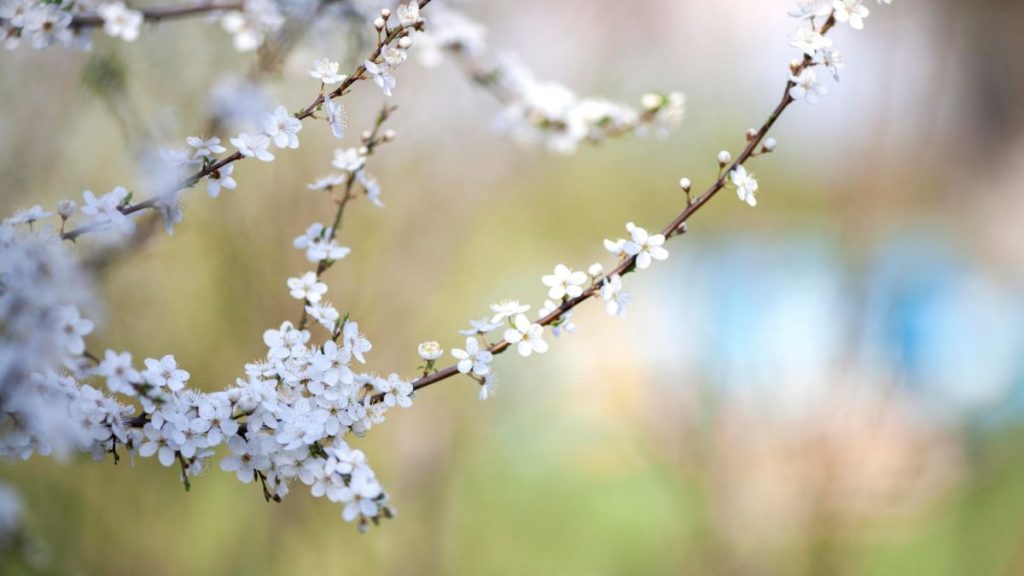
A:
852,12
307,287
326,71
473,358
381,75
119,21
807,87
283,128
646,247
526,336
616,298
164,373
507,309
746,185
430,350
105,210
565,282
221,178
480,326
253,146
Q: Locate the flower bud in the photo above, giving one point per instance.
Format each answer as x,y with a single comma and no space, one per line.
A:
685,184
769,145
378,23
430,351
596,270
751,134
385,13
66,209
650,101
404,42
389,135
724,157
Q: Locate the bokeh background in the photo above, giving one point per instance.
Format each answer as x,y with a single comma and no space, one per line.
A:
831,383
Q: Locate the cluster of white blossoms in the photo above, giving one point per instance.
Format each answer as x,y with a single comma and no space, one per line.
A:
816,18
68,23
288,420
284,422
536,112
42,24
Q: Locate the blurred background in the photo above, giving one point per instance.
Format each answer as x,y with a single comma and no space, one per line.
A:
831,383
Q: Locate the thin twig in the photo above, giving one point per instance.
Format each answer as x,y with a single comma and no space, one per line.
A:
675,227
164,13
358,74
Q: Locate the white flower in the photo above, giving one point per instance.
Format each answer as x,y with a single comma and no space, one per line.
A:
371,187
246,457
806,9
850,11
119,21
564,322
615,297
810,41
396,391
205,148
348,160
615,247
487,388
253,146
308,288
507,309
104,210
430,350
246,35
66,209
381,76
527,336
157,443
746,185
474,358
361,496
325,314
394,57
356,342
220,178
117,369
565,282
408,14
28,216
170,209
335,117
326,71
164,373
807,87
317,247
327,182
283,128
481,326
645,247
832,59
74,329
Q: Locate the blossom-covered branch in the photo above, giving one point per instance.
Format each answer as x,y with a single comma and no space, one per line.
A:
288,419
161,13
535,112
281,128
609,285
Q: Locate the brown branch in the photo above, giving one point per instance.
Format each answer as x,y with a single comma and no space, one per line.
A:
674,228
164,13
359,74
371,142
